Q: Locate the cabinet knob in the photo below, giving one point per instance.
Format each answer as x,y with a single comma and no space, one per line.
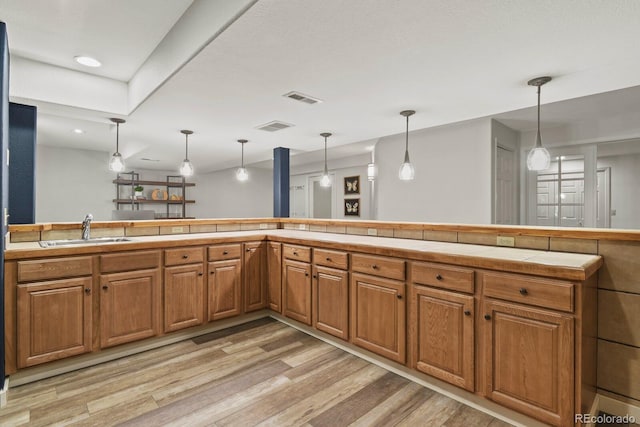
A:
200,274
225,252
185,256
438,277
87,291
374,266
328,259
105,287
315,276
399,296
467,312
212,272
295,253
306,274
487,317
248,249
523,291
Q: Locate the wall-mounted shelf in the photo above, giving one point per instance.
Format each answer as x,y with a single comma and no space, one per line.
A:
175,185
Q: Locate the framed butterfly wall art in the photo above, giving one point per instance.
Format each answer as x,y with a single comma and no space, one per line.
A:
351,207
351,185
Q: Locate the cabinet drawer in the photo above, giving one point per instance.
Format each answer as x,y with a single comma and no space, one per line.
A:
378,266
128,261
547,293
329,258
183,256
443,276
299,253
56,268
224,252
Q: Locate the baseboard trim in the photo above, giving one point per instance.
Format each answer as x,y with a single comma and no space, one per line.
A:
453,392
3,393
52,369
617,407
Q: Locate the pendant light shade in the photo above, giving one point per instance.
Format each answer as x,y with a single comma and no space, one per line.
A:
242,174
407,172
325,181
186,168
538,158
116,163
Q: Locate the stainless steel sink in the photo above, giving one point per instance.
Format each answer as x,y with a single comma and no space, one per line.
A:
69,242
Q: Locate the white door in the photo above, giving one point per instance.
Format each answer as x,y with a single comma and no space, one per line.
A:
506,197
565,194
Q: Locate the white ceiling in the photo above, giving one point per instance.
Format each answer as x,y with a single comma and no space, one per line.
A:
450,60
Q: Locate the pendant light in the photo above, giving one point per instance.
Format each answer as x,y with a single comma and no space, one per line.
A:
186,168
407,172
538,158
116,163
242,174
325,181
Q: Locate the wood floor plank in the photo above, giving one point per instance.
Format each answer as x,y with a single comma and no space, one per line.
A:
263,373
396,408
234,330
361,402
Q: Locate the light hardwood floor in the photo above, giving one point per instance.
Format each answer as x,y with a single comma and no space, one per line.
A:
261,373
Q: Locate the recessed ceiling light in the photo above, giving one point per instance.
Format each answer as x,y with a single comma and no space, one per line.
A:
78,131
87,61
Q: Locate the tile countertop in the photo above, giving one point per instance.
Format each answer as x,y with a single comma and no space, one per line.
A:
551,264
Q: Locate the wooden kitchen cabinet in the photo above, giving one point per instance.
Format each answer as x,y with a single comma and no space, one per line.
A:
330,298
377,315
183,296
274,266
130,306
224,287
54,320
529,364
296,290
254,272
441,330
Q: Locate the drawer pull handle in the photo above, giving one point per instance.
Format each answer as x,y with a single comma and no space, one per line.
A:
87,291
295,253
438,277
225,252
523,291
399,296
487,317
105,287
375,267
467,312
328,259
185,256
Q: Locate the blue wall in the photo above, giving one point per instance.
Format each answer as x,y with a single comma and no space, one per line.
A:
22,155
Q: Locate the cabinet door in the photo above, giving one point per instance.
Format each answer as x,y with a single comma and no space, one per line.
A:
529,361
54,320
331,301
183,297
274,260
224,287
441,331
296,279
129,306
378,319
254,270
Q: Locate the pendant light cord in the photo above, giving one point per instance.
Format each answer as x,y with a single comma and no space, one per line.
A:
117,137
406,145
325,154
186,146
242,157
538,139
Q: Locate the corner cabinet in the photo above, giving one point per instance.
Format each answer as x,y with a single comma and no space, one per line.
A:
171,192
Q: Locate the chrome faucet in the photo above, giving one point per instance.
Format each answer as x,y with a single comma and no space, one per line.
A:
86,227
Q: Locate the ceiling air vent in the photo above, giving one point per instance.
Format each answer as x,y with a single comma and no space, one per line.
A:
274,126
297,96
